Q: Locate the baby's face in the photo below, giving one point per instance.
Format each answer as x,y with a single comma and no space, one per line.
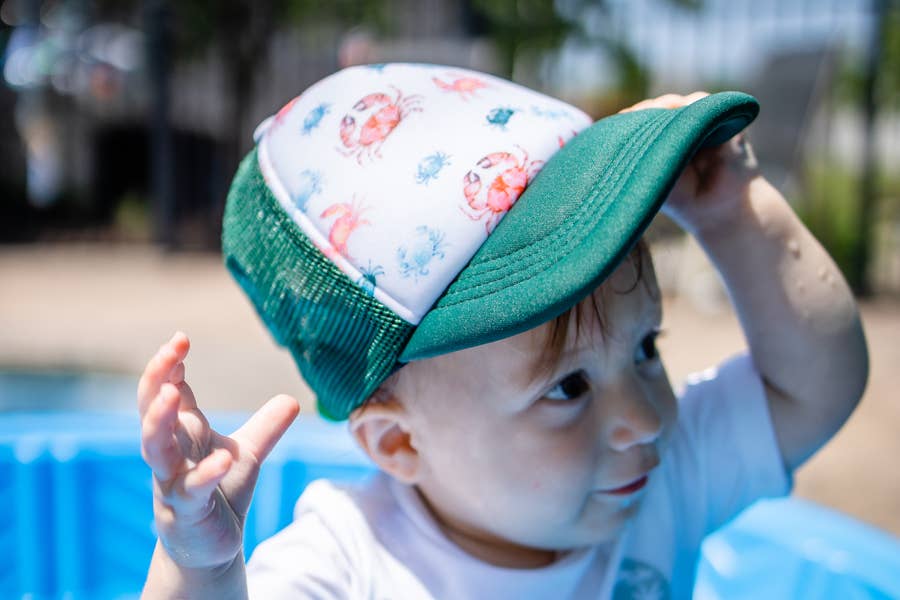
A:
553,463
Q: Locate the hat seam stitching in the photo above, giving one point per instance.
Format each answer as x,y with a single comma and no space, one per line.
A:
656,124
526,271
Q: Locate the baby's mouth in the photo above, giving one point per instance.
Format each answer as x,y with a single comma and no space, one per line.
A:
627,489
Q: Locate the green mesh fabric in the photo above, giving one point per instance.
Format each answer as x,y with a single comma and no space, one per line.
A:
344,341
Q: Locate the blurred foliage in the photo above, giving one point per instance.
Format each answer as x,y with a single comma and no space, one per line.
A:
829,207
200,22
514,24
132,218
851,70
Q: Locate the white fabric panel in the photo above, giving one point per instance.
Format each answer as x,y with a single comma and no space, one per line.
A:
399,172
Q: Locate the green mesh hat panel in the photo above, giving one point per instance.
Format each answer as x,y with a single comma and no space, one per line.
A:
344,341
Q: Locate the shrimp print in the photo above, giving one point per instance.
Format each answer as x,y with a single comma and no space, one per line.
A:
430,167
348,220
414,259
384,115
509,176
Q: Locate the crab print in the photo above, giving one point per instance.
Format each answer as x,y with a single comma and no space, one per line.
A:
282,113
508,175
314,117
415,258
380,114
563,141
309,184
430,167
367,281
499,117
464,86
349,218
552,114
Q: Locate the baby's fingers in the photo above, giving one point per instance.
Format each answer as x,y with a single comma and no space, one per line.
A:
263,430
161,369
200,481
666,101
158,444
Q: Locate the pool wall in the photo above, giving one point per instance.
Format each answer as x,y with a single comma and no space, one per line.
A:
76,517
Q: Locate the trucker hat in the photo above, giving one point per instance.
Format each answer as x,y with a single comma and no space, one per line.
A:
395,212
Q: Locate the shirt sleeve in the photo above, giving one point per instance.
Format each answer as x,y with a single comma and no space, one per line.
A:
725,415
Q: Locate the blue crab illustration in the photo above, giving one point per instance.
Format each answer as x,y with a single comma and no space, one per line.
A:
499,117
430,167
314,117
308,185
367,281
550,113
376,67
415,258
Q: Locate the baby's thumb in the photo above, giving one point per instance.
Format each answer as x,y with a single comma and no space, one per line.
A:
263,430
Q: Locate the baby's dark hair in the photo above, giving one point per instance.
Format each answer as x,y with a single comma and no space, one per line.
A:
557,332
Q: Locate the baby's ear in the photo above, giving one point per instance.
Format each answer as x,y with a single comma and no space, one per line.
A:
381,429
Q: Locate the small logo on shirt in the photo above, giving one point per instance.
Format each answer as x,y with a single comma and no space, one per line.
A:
639,581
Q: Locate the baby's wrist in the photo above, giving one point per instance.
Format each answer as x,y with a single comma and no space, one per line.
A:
176,580
749,211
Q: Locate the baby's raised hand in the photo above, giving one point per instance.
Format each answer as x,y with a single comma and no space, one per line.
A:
202,481
711,189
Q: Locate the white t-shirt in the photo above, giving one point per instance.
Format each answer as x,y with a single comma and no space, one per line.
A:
377,541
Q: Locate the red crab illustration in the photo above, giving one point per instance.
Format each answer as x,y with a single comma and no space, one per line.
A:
510,176
348,219
281,114
385,113
562,142
464,86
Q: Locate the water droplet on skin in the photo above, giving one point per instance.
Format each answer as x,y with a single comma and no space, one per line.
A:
823,272
794,248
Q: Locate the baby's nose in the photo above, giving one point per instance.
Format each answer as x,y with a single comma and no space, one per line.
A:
633,417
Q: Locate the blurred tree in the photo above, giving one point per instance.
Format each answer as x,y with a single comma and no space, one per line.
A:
543,25
851,83
514,24
869,82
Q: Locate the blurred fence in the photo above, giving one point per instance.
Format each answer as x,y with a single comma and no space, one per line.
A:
126,120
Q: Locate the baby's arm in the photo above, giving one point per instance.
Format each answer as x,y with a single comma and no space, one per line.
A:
202,481
796,310
798,315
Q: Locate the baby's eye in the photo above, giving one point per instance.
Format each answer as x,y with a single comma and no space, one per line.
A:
570,387
647,351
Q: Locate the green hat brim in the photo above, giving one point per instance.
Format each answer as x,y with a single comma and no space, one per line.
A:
575,222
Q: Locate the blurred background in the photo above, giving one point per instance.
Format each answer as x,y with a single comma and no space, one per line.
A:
122,122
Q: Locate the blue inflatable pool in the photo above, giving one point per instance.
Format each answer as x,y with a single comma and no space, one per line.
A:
76,518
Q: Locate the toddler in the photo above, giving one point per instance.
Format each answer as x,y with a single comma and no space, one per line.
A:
455,264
